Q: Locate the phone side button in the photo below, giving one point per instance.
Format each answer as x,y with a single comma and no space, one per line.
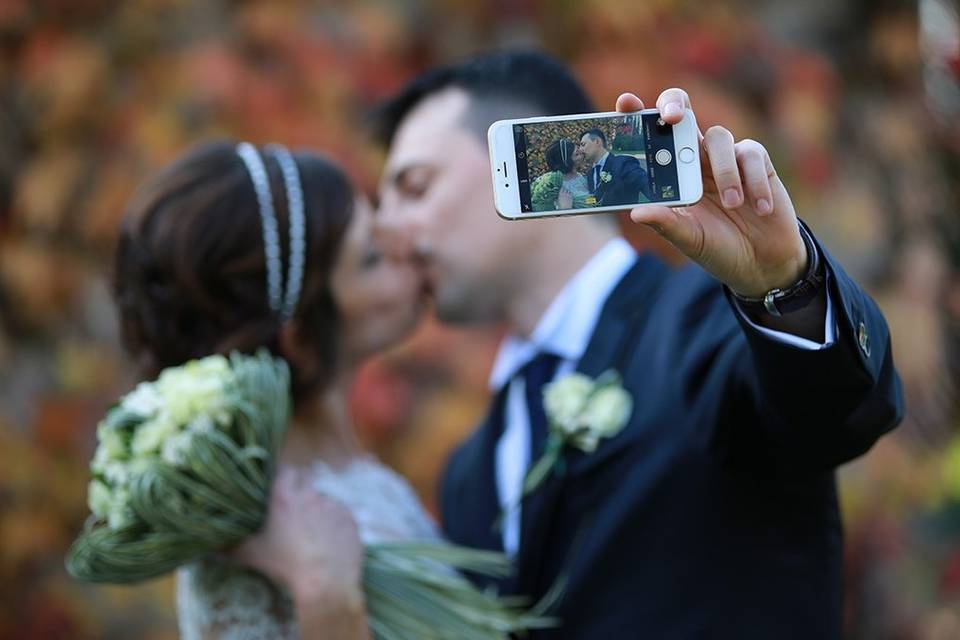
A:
687,155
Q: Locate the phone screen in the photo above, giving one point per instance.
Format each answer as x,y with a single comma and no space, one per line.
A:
596,162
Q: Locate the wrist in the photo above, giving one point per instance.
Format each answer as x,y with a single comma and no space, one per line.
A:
331,609
781,277
801,289
332,594
791,273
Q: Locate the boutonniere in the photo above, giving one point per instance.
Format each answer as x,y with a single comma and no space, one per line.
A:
580,412
605,176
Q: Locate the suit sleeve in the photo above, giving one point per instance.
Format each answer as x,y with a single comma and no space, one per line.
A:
823,406
635,178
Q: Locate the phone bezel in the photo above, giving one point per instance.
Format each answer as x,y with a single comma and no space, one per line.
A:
500,142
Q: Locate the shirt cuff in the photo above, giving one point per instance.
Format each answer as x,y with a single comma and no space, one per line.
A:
829,328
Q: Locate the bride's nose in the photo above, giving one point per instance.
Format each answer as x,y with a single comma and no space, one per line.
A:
396,240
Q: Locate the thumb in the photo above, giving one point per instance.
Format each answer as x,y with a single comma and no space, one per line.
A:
677,226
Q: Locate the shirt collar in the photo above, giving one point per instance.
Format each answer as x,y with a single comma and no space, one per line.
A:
568,323
602,160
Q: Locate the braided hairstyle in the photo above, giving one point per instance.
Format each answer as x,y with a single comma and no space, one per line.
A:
190,269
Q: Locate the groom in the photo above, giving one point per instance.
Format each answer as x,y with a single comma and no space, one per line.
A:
754,373
612,179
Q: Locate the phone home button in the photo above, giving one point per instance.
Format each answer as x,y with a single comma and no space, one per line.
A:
686,155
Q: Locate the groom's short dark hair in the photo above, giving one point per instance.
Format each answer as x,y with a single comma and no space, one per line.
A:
511,84
595,134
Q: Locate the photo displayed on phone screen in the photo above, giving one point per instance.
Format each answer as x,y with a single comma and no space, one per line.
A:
599,162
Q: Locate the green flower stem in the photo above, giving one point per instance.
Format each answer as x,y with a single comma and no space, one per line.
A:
545,465
414,590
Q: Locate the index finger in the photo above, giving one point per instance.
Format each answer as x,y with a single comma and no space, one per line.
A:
628,103
671,105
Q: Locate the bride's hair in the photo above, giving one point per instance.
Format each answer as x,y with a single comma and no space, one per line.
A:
190,268
559,156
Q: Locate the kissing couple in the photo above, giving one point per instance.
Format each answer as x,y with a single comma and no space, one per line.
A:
587,174
752,373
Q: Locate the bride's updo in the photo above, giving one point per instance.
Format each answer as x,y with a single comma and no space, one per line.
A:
190,269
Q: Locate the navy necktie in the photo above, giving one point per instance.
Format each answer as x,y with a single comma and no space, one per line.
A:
536,374
596,177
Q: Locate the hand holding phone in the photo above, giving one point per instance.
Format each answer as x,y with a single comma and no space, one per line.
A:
733,215
744,229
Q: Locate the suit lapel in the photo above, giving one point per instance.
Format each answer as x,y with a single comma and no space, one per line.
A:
624,310
630,299
601,189
613,344
471,504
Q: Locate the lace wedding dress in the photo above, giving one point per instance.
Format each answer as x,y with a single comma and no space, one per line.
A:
215,600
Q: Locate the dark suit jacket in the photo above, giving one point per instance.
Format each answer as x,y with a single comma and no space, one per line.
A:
714,513
628,179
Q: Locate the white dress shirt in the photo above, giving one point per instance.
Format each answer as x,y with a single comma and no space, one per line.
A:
565,330
598,165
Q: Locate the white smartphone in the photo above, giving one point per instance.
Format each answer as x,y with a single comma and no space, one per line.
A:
595,162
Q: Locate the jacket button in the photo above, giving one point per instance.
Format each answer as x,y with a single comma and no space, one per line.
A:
864,339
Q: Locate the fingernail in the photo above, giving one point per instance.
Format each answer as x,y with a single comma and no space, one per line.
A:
763,206
731,197
672,109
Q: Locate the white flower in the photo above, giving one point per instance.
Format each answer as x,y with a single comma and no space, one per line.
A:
586,440
202,424
585,411
116,473
120,513
111,445
144,401
199,386
174,448
113,505
99,498
605,176
150,436
608,411
566,398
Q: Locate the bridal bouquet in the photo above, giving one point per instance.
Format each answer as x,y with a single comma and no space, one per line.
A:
544,191
183,468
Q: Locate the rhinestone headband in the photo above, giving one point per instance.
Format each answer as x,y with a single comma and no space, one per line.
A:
284,305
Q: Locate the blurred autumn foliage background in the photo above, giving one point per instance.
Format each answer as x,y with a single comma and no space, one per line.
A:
857,102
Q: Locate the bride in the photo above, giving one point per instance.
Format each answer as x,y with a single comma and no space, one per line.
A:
562,186
235,248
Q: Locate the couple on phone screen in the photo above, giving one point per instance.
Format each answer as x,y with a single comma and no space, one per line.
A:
586,174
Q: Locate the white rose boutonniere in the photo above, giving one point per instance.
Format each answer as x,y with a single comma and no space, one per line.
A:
581,412
606,176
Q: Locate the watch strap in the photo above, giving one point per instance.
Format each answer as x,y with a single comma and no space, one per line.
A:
778,302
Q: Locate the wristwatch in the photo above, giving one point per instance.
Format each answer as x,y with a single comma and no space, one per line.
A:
777,302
